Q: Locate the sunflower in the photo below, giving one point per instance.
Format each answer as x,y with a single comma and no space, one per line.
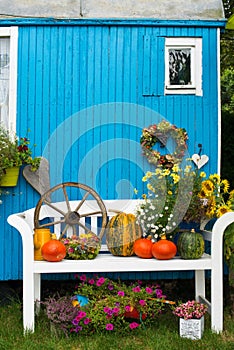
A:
222,210
207,187
225,185
211,210
215,178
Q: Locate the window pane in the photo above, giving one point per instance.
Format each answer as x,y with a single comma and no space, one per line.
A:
4,79
180,66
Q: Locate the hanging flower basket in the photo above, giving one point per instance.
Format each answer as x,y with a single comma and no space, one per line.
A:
10,179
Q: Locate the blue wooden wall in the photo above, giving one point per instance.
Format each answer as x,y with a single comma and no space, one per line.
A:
85,92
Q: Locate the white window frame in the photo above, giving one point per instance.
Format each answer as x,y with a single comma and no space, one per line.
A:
195,45
12,33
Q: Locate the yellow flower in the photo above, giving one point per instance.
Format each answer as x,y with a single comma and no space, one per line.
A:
222,210
149,174
166,172
231,195
211,207
135,191
170,193
187,168
150,188
144,196
158,171
175,168
225,184
144,179
176,178
215,178
202,174
208,187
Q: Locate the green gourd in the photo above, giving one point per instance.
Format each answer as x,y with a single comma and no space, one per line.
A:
121,233
191,245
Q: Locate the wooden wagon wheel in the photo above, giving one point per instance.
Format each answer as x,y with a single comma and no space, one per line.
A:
71,218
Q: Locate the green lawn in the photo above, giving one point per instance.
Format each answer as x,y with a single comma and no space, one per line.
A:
163,334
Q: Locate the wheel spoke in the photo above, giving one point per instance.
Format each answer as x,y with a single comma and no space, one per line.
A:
54,207
52,223
66,198
63,231
82,201
83,226
74,230
90,214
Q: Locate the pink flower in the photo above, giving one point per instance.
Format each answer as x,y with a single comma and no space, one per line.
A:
81,314
109,327
115,311
128,308
136,289
121,293
87,320
83,278
100,281
142,302
91,281
149,290
106,309
134,325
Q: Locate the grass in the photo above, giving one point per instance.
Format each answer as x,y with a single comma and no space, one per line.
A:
161,335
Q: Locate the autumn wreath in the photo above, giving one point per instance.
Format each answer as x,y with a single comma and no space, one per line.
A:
160,134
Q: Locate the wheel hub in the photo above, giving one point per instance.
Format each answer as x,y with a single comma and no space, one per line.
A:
72,218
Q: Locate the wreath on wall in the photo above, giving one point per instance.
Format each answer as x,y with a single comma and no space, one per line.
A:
160,134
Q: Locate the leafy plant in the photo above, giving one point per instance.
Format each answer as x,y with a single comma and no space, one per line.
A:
15,151
170,193
109,306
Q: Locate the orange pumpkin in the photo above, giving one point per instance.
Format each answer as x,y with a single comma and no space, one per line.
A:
164,249
53,250
143,248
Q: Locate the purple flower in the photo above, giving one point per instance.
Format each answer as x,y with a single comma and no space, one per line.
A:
134,325
75,321
109,327
121,293
78,329
142,302
110,286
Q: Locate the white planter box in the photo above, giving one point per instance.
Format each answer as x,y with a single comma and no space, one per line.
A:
192,328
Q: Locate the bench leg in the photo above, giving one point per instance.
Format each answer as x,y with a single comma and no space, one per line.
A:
37,291
200,289
28,303
217,300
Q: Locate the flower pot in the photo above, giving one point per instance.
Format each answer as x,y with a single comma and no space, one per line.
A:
192,328
41,236
10,179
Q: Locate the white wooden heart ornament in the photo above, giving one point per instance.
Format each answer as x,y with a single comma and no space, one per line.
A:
200,161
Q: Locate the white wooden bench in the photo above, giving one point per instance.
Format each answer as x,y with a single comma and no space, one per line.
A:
105,262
